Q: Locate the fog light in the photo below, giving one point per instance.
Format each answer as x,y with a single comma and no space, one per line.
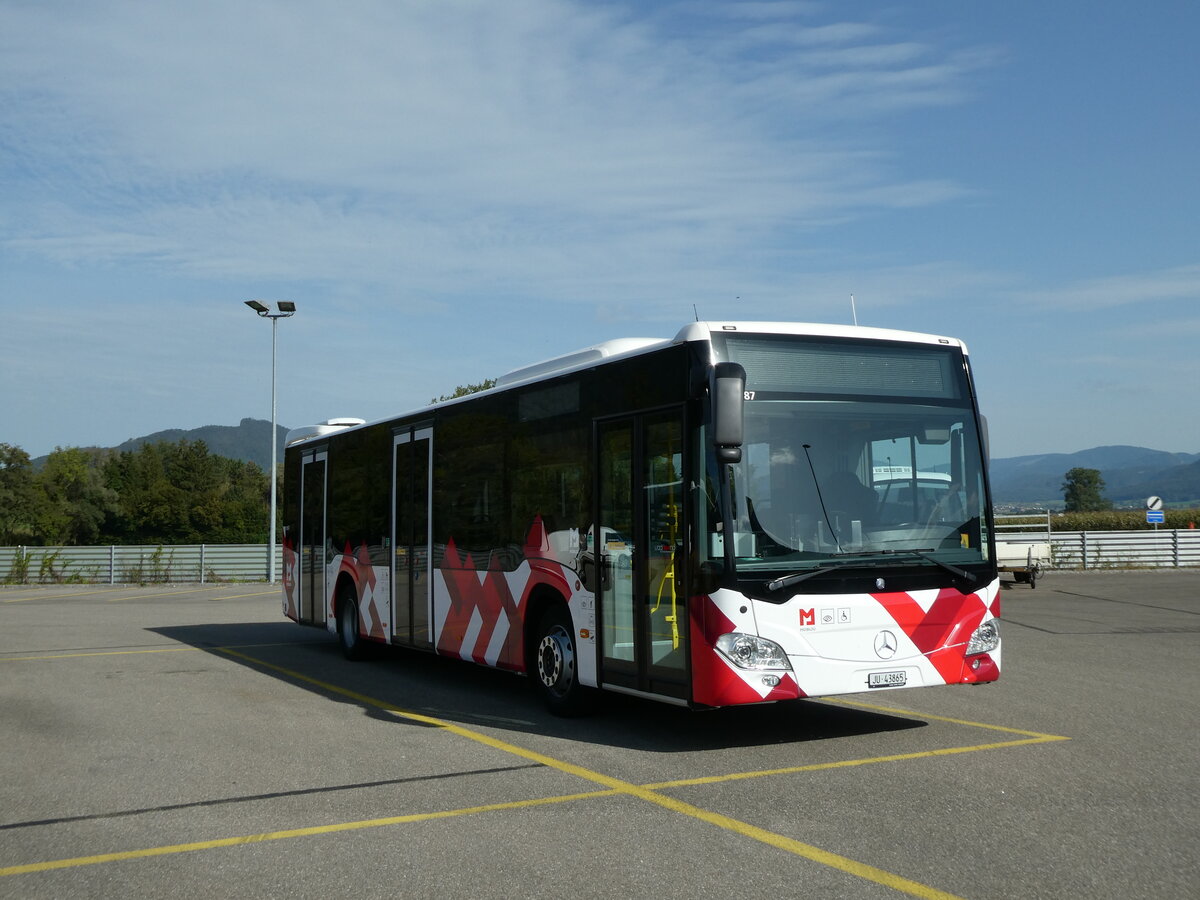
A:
770,680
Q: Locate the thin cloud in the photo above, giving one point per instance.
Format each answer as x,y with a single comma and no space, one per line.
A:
1163,328
440,138
1178,283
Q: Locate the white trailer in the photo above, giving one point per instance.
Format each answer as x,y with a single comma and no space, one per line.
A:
1023,546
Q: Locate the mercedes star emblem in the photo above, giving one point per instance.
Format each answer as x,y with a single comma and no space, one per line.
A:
885,645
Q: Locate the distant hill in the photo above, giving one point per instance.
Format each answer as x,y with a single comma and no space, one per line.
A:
1130,475
1179,483
249,441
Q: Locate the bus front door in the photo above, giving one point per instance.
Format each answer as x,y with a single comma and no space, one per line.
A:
411,550
639,538
312,538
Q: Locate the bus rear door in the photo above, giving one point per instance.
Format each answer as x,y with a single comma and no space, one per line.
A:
312,537
411,551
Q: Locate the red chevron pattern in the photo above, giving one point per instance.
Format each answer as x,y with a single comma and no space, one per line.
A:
949,621
484,621
370,623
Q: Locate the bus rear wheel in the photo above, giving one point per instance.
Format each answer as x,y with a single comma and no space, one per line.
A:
556,676
353,646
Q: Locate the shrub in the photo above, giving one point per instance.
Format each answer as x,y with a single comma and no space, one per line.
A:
1104,520
1121,520
19,573
47,571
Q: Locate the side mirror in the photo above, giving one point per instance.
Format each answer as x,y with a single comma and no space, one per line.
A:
987,443
728,390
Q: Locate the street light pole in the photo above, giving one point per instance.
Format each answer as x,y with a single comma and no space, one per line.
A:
286,308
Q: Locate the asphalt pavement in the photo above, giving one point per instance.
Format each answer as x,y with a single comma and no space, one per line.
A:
187,740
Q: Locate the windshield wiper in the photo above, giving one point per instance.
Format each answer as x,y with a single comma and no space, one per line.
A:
969,577
797,577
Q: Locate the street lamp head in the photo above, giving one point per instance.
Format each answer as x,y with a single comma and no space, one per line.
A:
286,308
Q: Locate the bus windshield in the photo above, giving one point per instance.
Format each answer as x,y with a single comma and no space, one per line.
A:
854,453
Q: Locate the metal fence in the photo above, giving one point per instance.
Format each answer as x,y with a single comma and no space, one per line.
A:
1165,548
210,563
133,564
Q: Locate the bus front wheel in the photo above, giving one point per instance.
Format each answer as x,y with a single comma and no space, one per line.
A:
556,676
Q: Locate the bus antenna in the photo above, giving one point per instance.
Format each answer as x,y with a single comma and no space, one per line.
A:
853,309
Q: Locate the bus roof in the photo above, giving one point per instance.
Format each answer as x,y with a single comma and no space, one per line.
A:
700,331
588,356
622,348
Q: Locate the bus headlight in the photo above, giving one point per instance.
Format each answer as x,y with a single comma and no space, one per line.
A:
985,639
747,651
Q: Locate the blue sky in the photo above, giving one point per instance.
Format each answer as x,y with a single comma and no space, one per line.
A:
452,189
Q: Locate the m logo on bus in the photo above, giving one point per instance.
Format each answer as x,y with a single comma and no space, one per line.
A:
808,617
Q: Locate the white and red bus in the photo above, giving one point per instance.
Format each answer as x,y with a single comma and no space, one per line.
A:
748,512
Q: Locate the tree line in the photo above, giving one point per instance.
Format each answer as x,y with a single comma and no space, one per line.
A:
161,493
179,493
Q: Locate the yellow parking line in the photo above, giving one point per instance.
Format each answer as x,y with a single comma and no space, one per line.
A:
195,590
98,653
283,835
610,787
848,763
127,595
65,596
807,851
920,715
151,650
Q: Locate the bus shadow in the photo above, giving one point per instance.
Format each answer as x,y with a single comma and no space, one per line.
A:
473,696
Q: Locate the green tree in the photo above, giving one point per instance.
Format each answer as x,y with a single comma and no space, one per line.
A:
160,493
180,493
74,499
18,496
463,390
244,503
1083,491
147,505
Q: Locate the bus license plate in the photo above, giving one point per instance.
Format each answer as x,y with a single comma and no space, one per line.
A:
886,679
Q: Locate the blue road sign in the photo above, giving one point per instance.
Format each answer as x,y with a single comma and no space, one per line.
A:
1155,517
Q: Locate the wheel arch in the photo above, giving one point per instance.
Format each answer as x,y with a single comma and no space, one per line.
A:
541,598
344,589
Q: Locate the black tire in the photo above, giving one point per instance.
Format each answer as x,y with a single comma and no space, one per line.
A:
353,646
554,671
